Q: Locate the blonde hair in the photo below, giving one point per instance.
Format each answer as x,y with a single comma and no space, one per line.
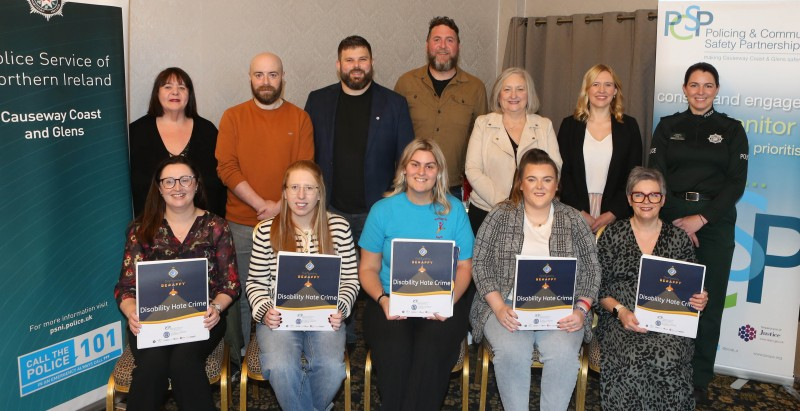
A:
439,195
533,99
617,102
282,233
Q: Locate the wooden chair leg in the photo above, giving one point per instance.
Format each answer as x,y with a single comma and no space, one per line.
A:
243,387
367,381
465,379
111,392
347,393
583,377
478,364
484,377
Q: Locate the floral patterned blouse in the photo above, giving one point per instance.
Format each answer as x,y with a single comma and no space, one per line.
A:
209,238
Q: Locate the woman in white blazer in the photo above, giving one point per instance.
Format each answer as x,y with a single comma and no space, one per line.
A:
499,140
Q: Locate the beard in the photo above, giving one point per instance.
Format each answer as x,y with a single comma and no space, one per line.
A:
448,65
267,94
366,79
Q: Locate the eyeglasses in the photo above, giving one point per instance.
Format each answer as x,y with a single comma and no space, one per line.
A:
295,189
638,197
169,182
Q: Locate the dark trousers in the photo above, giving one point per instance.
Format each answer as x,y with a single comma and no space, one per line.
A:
715,252
183,364
356,222
476,217
413,357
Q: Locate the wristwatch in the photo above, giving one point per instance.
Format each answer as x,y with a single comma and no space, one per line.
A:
615,312
217,307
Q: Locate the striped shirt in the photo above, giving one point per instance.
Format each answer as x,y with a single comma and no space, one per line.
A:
264,264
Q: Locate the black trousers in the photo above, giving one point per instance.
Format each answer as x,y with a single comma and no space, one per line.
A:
183,364
715,252
413,357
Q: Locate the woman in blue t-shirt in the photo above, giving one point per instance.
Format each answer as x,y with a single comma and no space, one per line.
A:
413,356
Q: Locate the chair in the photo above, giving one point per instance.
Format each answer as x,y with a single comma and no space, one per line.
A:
461,365
482,373
216,369
251,369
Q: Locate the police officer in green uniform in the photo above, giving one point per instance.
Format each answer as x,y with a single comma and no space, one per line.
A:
703,156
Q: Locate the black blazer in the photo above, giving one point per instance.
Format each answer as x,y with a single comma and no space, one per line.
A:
390,130
627,154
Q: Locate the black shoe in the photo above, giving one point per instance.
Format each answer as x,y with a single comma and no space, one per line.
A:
701,396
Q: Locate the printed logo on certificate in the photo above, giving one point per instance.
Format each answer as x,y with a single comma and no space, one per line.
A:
307,290
544,289
665,286
421,277
172,300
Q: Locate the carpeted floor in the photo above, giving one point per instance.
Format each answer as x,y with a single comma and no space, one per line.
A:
754,396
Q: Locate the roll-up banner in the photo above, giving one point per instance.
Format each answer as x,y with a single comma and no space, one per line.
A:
755,46
65,198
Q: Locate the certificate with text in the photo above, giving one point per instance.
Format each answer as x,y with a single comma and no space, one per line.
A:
172,300
662,296
421,277
544,289
307,290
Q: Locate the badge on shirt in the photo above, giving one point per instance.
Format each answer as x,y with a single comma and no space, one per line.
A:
677,136
715,138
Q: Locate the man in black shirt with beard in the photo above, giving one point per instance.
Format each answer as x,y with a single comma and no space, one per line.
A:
360,130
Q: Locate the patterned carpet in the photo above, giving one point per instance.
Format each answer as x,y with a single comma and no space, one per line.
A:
754,396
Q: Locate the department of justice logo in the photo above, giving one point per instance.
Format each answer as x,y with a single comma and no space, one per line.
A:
715,138
47,8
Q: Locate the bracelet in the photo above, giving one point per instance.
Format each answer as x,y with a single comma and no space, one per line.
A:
585,312
383,294
586,303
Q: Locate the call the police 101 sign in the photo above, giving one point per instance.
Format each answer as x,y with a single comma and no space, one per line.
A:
662,296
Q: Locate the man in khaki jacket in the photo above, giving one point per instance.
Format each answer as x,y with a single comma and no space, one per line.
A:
444,100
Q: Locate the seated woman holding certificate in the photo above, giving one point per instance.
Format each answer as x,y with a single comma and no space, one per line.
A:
304,226
413,356
532,223
173,226
640,369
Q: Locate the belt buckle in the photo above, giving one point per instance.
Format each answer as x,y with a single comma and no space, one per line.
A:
692,196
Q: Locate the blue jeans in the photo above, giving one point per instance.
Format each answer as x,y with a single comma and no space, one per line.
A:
302,386
513,353
243,241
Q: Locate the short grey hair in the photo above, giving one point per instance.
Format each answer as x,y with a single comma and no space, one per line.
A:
639,174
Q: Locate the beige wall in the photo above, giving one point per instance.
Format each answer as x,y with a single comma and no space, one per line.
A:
214,41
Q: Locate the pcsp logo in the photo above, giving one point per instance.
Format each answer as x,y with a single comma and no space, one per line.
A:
684,26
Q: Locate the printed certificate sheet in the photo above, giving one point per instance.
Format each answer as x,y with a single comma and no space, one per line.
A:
172,300
544,289
421,277
307,290
662,297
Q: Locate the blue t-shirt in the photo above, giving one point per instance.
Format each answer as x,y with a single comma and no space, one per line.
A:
397,217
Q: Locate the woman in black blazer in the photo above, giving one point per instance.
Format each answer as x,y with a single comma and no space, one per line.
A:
599,146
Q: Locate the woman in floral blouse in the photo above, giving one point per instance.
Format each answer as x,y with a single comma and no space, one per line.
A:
174,226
